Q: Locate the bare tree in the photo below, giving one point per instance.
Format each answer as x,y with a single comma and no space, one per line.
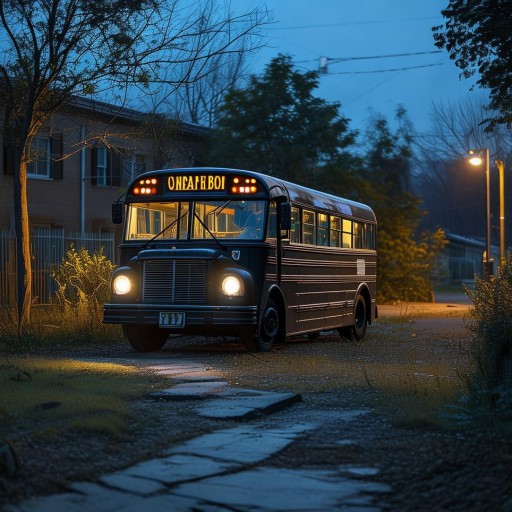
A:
55,49
199,102
454,193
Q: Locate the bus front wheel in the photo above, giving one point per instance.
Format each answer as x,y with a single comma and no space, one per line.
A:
269,331
145,338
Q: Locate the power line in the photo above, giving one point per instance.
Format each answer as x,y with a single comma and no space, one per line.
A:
386,70
342,24
386,56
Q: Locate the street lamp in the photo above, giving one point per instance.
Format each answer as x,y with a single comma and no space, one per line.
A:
476,157
501,169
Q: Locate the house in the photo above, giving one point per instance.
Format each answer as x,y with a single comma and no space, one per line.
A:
82,161
85,157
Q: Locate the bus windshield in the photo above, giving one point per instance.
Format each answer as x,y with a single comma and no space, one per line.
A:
209,219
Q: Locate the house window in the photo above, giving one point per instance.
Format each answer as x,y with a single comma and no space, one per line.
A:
101,166
40,151
106,166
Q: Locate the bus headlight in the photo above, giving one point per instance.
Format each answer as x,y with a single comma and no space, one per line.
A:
232,286
121,285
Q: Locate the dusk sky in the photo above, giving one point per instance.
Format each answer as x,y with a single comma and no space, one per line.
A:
344,29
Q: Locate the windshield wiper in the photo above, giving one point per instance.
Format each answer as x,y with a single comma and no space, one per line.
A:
169,226
210,233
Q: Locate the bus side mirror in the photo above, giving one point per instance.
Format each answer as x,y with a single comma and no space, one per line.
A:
285,216
117,212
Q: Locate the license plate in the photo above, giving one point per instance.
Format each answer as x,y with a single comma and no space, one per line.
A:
171,319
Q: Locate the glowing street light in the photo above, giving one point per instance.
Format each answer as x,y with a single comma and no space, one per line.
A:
501,170
476,158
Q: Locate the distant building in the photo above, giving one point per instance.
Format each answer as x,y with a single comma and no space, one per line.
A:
85,157
463,258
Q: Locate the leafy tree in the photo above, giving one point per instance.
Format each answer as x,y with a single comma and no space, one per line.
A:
277,126
54,49
477,37
405,260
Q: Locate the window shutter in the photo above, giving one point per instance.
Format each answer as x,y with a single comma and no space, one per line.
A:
56,162
115,168
94,165
10,159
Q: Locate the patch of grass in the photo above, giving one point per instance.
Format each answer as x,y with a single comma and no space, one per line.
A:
52,325
412,374
45,396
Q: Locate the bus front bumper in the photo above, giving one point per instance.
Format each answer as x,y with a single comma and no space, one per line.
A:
196,318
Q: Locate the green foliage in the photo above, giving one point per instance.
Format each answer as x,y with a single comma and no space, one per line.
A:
406,259
277,126
491,322
84,285
476,34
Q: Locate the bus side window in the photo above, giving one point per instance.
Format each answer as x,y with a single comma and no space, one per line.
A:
295,230
272,221
347,234
323,229
358,235
308,227
335,232
369,238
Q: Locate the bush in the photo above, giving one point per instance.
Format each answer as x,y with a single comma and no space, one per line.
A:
490,320
84,285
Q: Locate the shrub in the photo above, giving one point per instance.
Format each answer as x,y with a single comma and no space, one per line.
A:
83,286
490,320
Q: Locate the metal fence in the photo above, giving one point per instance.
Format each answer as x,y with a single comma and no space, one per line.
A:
49,247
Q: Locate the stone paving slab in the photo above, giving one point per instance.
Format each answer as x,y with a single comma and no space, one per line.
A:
242,445
191,391
276,489
169,470
245,404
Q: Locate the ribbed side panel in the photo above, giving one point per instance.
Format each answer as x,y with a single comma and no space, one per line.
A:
174,282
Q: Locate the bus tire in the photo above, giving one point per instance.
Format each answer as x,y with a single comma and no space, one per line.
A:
360,318
269,331
145,338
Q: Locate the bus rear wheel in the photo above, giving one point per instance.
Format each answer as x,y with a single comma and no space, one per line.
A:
358,330
360,318
145,338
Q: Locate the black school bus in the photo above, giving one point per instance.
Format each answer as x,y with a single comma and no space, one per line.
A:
210,251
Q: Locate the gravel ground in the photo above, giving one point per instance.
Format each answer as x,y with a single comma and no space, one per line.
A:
428,466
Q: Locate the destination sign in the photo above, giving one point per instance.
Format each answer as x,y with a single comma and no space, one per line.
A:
196,182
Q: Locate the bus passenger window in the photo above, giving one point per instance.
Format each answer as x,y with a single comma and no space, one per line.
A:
335,232
308,227
358,238
369,240
295,230
323,229
272,221
347,234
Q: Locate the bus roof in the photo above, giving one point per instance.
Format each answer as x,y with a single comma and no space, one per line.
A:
296,194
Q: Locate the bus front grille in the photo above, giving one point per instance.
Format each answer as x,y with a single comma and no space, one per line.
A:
174,282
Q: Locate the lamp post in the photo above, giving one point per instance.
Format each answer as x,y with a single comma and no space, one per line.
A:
501,169
476,158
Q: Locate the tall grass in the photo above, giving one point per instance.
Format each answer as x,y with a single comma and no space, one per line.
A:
76,312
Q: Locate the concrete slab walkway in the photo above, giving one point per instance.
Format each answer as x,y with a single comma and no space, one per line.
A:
223,470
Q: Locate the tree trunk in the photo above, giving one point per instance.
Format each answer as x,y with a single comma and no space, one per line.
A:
23,253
